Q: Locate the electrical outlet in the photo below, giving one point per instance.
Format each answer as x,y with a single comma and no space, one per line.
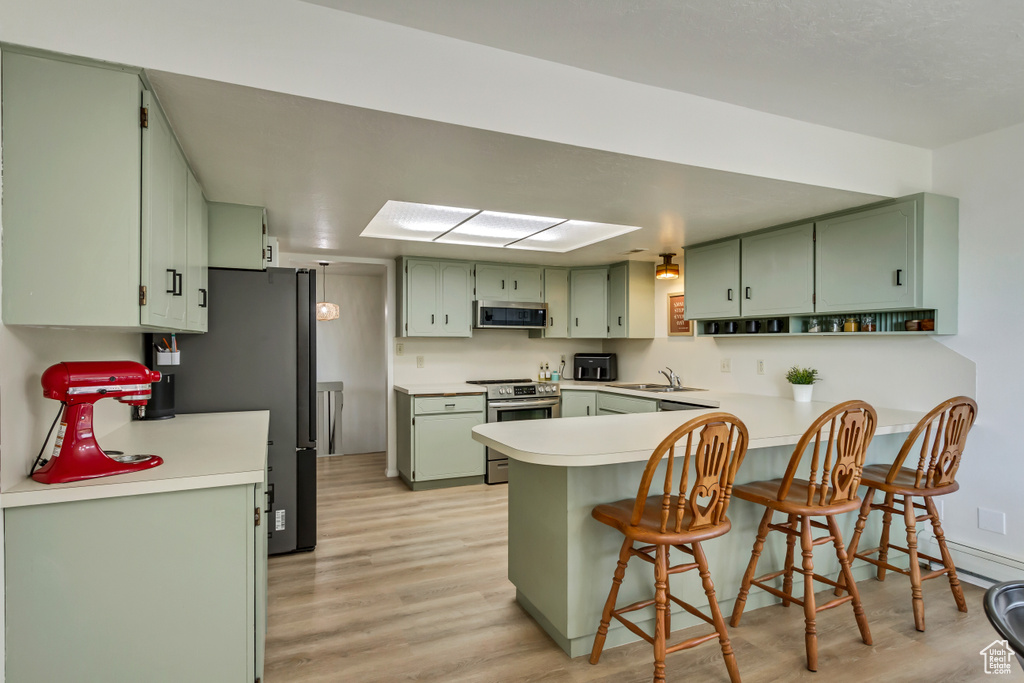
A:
399,349
419,361
760,367
992,520
563,357
726,365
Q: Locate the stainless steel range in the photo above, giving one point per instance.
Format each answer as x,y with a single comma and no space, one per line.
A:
516,399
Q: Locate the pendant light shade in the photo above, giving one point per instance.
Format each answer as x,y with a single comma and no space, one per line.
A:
667,270
324,309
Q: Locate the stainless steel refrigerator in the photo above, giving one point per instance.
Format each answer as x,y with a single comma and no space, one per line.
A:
259,353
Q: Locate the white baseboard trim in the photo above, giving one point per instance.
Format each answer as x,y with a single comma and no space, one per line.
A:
975,565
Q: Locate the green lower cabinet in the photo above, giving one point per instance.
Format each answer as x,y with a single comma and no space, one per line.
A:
579,403
155,587
435,440
615,404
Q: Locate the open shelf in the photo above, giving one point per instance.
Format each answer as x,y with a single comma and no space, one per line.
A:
888,323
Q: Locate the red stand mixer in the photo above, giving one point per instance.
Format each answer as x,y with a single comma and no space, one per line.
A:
76,455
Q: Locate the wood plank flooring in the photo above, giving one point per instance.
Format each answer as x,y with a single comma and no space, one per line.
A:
410,586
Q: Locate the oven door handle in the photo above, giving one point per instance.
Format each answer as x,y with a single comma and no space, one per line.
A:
523,404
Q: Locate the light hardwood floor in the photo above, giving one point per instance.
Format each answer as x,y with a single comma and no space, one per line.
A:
410,586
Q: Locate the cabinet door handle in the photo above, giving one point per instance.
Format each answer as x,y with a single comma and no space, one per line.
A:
202,304
431,318
179,283
270,253
577,322
747,293
503,284
620,321
899,277
515,284
729,294
174,280
588,410
445,318
551,321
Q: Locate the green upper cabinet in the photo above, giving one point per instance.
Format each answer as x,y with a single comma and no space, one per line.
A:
95,198
711,275
238,236
868,260
588,303
435,298
631,300
556,296
496,282
196,293
778,272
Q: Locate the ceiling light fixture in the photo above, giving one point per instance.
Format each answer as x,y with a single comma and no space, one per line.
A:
667,270
324,309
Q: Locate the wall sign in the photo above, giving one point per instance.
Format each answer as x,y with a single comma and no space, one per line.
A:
678,325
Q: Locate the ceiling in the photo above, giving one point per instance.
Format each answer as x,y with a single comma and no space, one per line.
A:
922,72
323,170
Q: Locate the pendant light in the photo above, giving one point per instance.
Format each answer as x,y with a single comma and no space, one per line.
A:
667,270
324,309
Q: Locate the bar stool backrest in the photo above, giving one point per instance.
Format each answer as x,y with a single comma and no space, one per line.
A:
851,426
721,446
945,431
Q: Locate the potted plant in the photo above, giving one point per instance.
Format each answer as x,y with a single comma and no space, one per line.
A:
803,380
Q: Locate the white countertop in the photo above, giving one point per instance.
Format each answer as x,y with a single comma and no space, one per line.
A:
609,439
704,398
440,389
203,450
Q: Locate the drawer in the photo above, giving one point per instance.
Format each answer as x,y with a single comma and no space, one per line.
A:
427,405
613,403
497,472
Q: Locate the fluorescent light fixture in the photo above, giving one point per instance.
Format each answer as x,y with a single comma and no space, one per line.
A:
418,222
572,235
451,225
495,229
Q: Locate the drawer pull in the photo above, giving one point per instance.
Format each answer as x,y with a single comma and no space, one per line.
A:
748,292
448,406
899,277
729,294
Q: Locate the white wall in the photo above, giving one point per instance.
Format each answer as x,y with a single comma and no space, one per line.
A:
986,174
304,49
489,354
352,350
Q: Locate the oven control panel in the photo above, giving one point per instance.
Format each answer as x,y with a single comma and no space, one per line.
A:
525,391
535,389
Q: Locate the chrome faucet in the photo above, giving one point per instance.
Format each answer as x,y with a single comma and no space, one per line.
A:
674,380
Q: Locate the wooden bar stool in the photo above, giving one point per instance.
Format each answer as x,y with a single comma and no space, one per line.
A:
943,433
851,425
678,521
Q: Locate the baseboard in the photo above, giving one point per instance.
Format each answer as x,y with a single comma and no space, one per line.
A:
977,566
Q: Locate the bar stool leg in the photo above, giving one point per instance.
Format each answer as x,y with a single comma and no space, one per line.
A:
915,566
844,564
661,609
858,529
810,614
883,545
609,605
716,613
787,581
741,599
947,559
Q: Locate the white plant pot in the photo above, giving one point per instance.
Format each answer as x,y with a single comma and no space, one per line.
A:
802,392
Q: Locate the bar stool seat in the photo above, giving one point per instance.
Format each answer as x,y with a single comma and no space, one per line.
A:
903,482
795,502
678,517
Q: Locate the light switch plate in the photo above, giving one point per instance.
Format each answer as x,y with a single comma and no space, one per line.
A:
992,520
726,365
399,349
419,361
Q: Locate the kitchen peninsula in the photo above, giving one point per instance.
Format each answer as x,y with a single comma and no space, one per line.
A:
561,560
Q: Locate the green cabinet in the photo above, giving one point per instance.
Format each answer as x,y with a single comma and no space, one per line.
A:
579,403
152,587
711,275
435,440
588,303
496,282
617,404
777,274
631,300
435,298
238,236
95,198
556,296
197,295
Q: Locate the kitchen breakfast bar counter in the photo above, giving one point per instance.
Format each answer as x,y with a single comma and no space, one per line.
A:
158,575
561,560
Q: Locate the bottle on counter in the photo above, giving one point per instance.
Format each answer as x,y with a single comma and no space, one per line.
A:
540,373
547,373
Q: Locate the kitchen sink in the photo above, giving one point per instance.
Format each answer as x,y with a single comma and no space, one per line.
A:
659,388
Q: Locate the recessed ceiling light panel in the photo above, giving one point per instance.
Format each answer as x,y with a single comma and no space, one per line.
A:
418,222
572,235
496,229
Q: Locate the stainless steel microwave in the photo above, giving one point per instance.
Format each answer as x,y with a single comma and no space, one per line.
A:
509,315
